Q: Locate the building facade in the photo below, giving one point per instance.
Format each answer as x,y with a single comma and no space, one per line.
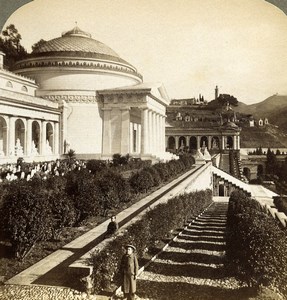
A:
74,92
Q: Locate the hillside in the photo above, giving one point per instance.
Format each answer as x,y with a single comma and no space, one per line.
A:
268,136
274,108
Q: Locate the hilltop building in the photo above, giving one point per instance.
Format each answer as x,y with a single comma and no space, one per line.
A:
191,127
74,92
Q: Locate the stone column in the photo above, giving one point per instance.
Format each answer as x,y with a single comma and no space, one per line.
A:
11,149
238,142
163,141
176,142
132,128
63,126
138,137
144,131
198,142
223,142
107,145
150,131
43,138
209,142
56,138
29,137
157,134
125,130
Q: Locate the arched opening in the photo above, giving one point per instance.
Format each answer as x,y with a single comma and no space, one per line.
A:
203,142
215,142
182,143
171,144
229,144
19,137
35,137
49,138
221,190
24,89
3,137
193,143
247,173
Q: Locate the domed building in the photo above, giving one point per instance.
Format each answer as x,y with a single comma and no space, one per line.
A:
95,103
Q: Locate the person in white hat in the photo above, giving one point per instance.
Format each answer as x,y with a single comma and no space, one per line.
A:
129,270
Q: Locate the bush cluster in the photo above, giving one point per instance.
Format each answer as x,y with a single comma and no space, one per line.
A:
35,210
281,204
256,245
153,176
146,233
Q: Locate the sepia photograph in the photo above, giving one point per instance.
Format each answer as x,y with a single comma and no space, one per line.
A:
143,149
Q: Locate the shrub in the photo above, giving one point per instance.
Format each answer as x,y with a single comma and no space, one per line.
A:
155,225
141,182
155,175
163,171
27,217
96,166
64,213
112,189
81,186
281,204
256,246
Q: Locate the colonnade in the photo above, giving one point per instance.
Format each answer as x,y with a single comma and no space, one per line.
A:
152,132
20,136
222,142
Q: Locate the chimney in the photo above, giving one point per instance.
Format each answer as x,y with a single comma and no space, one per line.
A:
2,60
216,92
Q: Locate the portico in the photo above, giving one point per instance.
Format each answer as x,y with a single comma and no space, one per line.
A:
134,120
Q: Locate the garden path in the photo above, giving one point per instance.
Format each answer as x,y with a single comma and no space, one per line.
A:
192,267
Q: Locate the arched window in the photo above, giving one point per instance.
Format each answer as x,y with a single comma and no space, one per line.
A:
24,89
193,143
9,84
171,143
3,137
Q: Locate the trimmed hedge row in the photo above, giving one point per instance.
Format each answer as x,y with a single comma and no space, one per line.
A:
256,245
146,233
35,210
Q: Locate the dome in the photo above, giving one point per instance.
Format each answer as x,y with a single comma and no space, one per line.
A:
230,124
76,42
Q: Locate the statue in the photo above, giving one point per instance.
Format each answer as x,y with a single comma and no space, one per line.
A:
34,150
206,155
48,148
18,148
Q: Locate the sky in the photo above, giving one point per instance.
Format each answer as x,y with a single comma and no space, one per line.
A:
189,45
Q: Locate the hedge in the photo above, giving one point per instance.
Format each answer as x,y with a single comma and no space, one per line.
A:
256,245
55,202
145,234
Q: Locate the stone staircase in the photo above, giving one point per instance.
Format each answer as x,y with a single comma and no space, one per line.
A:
192,267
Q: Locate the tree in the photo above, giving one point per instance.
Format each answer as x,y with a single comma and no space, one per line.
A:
10,44
38,45
223,99
271,163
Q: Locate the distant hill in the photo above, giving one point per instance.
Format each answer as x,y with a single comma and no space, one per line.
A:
274,108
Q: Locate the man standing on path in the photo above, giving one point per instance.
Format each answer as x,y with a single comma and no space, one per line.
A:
128,271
